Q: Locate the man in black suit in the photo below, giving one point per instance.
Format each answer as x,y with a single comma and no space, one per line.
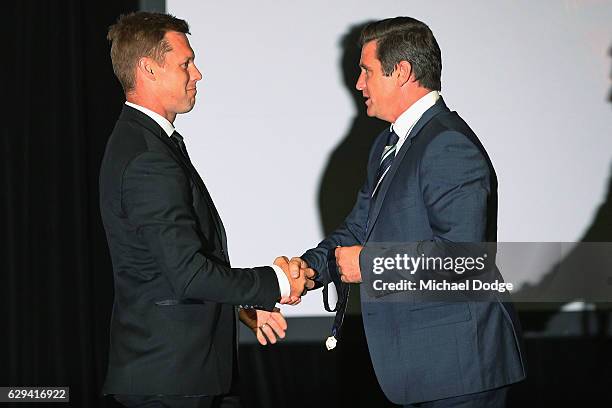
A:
173,331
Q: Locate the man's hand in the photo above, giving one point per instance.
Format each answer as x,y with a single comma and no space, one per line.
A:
299,285
299,266
347,260
267,326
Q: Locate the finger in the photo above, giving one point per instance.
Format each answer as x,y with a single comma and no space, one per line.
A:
260,337
276,328
291,301
294,267
285,301
279,319
309,273
344,279
281,261
301,262
338,253
269,333
310,284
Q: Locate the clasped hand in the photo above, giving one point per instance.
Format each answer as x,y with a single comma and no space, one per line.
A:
300,276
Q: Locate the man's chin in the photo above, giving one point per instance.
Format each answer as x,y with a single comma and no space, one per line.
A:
188,108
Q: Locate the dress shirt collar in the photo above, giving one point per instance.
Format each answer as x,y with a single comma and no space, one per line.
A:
406,121
159,119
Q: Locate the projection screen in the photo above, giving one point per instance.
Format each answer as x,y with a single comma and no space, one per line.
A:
278,136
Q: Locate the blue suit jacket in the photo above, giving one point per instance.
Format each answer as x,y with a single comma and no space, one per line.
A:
440,188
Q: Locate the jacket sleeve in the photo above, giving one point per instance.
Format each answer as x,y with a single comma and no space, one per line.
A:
157,199
352,231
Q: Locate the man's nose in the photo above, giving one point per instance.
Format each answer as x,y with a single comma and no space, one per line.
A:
198,74
360,85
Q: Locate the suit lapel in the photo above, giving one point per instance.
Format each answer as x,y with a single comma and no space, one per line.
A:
429,114
195,176
130,113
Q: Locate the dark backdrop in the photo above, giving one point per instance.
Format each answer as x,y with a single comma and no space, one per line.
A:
62,100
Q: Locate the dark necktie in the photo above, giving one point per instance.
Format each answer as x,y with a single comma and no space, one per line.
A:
386,160
178,141
344,289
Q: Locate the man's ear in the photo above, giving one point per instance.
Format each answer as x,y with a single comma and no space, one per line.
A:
403,70
147,68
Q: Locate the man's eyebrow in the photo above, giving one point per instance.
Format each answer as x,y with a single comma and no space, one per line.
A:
364,66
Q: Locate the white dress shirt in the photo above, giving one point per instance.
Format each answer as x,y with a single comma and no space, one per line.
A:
159,119
406,121
283,281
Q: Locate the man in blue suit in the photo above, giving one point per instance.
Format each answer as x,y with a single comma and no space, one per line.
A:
430,184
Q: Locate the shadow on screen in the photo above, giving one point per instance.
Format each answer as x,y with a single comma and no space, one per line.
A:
346,168
593,323
610,91
342,178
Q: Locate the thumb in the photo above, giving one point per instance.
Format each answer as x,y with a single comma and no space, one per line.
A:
281,261
294,268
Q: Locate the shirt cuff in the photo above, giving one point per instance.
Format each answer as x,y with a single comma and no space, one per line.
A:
283,281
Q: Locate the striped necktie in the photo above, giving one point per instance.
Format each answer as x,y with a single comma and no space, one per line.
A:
386,159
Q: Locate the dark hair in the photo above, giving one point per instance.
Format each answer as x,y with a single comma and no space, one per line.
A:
138,35
406,39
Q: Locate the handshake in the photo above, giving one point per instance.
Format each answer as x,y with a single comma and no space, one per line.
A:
300,275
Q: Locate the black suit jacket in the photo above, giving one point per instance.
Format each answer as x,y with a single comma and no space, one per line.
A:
173,322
